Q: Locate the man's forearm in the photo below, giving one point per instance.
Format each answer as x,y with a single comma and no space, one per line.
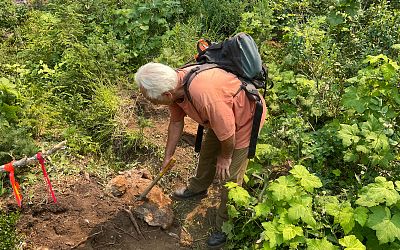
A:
174,133
227,147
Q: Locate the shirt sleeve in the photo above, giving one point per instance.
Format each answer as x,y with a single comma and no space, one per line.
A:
176,113
221,119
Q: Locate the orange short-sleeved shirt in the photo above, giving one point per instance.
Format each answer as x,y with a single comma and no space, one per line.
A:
217,106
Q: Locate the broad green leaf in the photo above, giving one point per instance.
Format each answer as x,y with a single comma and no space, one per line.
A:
302,210
307,180
266,246
320,244
396,96
388,71
387,229
283,188
371,125
379,213
361,215
382,158
232,212
351,243
377,141
375,59
283,218
335,18
397,185
311,182
294,244
227,228
330,204
291,231
345,218
7,86
360,148
299,171
350,156
231,185
336,172
352,99
379,192
271,234
240,196
262,209
348,134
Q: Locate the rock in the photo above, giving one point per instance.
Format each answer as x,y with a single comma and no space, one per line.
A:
156,210
117,186
154,214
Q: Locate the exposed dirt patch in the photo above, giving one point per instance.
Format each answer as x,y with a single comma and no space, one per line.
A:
87,217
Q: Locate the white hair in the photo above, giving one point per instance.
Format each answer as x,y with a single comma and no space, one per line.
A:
156,79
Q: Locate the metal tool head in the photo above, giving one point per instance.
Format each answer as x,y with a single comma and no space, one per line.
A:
141,197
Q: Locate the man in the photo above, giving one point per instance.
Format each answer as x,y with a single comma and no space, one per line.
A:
218,104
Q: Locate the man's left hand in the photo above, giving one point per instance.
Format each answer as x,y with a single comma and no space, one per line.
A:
222,169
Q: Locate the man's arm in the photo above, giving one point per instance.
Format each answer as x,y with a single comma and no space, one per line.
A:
175,130
224,160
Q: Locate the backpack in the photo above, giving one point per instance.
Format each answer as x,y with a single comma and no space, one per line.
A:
238,55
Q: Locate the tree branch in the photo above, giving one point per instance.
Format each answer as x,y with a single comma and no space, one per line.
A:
33,160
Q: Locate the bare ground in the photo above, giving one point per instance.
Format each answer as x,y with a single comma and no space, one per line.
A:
85,217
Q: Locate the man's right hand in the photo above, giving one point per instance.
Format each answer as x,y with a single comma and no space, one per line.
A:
166,161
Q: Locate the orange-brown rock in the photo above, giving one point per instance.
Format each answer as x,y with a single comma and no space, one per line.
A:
156,210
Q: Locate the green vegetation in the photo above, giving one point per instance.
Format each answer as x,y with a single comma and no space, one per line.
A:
65,68
8,238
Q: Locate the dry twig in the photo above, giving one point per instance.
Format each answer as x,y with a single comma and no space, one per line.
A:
125,232
86,239
134,222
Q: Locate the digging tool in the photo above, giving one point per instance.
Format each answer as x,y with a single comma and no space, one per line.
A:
169,165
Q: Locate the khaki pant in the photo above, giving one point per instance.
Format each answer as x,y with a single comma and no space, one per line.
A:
207,167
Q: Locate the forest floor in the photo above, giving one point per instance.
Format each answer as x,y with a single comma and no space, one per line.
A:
85,217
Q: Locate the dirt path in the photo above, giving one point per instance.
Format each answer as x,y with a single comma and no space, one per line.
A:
86,218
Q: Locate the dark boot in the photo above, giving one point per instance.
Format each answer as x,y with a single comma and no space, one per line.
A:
186,194
216,240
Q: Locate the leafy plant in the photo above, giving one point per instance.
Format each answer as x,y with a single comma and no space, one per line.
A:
373,98
292,213
141,26
8,238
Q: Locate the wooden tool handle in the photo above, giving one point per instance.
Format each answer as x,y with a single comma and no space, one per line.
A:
169,165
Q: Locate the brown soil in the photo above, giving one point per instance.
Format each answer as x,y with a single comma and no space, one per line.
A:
85,217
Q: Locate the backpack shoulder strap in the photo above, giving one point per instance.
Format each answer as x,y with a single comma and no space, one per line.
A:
188,78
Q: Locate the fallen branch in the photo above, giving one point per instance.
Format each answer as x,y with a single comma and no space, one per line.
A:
134,222
33,160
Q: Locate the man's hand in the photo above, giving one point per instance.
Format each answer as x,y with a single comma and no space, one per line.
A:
223,164
224,160
166,161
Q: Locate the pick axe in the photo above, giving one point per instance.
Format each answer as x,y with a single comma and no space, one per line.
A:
169,165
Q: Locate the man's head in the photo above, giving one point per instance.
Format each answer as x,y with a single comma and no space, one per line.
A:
156,81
